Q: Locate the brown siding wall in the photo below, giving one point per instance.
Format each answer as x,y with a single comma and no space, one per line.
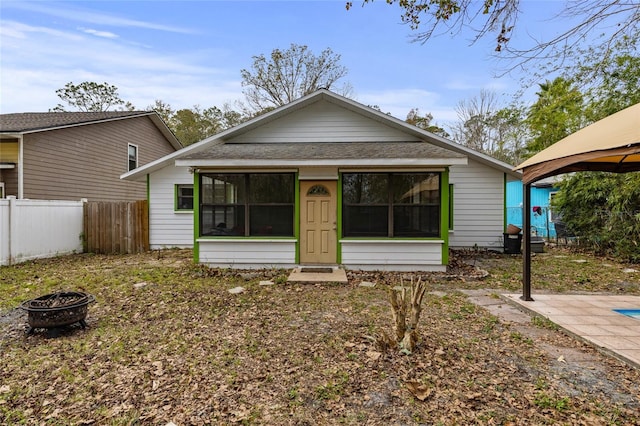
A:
87,161
10,179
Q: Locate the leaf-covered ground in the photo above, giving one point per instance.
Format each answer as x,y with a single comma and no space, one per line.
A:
167,342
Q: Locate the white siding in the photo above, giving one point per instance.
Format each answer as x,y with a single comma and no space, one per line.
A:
393,255
248,253
323,122
478,206
167,227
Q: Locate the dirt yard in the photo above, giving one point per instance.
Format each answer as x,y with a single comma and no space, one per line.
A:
167,342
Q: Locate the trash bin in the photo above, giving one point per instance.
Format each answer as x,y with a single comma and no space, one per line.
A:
512,243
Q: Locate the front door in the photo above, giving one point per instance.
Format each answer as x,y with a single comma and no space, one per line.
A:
318,235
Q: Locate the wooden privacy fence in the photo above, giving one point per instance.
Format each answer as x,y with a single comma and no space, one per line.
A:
116,227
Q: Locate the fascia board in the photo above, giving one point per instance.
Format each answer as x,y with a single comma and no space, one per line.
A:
381,162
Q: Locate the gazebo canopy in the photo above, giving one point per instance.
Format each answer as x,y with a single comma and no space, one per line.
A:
611,145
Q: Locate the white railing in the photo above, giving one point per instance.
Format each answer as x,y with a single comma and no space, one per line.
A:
33,229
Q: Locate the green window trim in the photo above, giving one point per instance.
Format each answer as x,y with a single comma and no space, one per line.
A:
445,201
392,205
182,200
247,205
450,207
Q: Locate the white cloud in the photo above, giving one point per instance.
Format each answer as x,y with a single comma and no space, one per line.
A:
38,60
76,14
97,33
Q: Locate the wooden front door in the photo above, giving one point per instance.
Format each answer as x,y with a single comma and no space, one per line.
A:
318,235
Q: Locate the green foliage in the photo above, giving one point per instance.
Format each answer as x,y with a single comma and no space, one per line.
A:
424,122
89,96
604,210
609,77
556,114
191,125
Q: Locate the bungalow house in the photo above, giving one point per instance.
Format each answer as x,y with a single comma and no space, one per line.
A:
325,180
74,155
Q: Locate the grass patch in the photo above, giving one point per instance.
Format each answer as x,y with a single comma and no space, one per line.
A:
181,348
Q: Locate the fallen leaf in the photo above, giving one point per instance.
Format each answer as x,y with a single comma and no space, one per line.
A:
374,355
419,390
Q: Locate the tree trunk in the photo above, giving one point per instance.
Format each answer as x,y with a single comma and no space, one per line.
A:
405,309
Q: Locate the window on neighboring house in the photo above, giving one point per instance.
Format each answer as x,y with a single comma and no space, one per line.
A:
1,189
133,156
553,216
184,197
247,204
391,204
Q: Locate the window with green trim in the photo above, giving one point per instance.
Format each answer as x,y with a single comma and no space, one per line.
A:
247,204
184,197
391,205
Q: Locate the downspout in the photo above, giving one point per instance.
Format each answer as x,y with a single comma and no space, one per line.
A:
526,251
20,167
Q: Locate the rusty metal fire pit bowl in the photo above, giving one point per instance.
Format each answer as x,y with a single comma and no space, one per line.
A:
57,310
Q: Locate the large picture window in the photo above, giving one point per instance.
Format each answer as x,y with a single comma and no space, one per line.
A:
247,204
391,204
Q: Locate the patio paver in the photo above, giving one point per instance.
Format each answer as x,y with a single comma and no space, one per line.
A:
591,317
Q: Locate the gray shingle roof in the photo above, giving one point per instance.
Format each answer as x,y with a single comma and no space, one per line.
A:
322,151
33,121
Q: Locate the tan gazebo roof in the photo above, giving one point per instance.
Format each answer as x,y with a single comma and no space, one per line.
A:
611,144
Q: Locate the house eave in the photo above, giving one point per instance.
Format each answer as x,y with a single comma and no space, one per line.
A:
378,162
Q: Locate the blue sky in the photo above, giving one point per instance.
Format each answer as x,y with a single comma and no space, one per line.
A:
188,53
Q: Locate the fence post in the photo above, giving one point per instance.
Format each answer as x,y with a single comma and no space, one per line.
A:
11,213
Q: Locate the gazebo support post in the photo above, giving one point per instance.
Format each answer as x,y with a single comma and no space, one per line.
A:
526,243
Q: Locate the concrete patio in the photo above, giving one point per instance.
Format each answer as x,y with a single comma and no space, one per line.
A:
592,319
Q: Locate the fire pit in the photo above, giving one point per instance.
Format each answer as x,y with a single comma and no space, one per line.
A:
57,310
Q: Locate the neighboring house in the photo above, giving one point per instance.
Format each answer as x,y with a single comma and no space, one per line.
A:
74,155
542,216
325,180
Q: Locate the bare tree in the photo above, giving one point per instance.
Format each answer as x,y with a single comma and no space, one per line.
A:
287,75
614,19
484,127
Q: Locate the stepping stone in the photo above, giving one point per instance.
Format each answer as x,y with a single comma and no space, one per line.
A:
367,284
236,290
267,282
629,270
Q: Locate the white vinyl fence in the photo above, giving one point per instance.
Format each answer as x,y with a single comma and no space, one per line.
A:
33,229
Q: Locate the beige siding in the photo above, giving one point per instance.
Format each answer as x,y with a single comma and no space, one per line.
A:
10,179
478,205
87,161
323,122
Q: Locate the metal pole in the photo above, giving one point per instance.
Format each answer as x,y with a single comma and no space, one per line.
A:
526,243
